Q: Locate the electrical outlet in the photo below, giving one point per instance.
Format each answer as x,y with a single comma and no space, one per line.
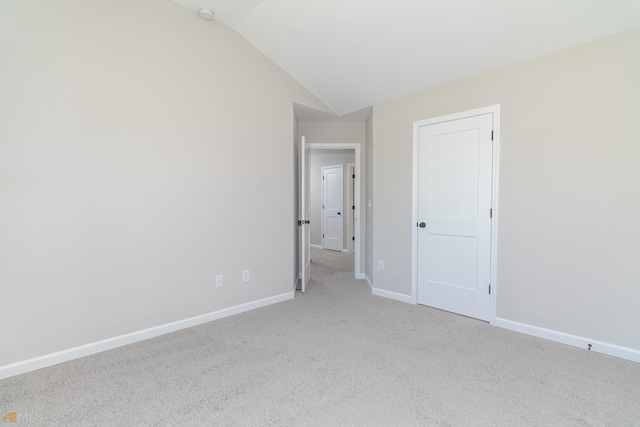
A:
380,265
219,281
245,276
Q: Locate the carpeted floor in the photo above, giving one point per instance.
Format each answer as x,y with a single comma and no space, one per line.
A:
335,356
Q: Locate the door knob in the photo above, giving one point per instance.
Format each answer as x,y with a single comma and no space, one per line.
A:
422,225
308,221
338,213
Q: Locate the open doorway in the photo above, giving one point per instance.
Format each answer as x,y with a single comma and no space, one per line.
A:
319,130
330,206
334,226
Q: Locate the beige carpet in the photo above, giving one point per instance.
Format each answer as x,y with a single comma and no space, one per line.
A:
335,356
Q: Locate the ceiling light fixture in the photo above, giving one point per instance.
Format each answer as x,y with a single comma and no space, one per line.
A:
206,14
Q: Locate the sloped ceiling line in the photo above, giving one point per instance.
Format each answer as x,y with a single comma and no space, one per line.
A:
356,53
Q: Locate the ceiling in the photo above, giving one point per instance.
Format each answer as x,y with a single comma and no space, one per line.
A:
353,54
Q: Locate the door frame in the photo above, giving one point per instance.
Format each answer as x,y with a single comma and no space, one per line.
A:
323,202
351,198
358,274
495,110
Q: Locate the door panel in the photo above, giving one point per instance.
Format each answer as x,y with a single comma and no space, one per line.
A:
452,175
445,251
454,202
304,215
333,213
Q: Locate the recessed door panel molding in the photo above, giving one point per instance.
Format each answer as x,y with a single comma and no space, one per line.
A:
451,163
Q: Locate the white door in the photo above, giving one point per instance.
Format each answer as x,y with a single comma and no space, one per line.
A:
332,213
304,214
351,207
454,217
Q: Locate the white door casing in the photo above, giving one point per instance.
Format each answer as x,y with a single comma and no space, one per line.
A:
454,212
304,215
332,207
351,206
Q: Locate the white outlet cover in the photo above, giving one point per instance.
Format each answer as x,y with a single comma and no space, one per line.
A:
245,276
219,281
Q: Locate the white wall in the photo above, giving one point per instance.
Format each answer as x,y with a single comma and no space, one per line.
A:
569,231
137,142
317,161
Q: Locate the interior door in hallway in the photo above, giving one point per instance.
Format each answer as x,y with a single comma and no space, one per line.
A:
454,215
332,204
304,215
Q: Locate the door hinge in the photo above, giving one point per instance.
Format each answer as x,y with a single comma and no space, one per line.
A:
489,289
490,213
323,236
353,176
353,238
323,178
353,207
492,135
322,206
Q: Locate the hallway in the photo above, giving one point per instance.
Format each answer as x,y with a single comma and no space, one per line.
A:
328,267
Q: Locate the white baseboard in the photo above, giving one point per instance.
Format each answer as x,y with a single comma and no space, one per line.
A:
573,340
316,246
360,276
369,282
391,295
29,365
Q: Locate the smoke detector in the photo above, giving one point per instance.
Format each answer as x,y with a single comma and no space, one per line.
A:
206,14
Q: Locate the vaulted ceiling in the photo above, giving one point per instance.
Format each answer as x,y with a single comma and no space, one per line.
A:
356,53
